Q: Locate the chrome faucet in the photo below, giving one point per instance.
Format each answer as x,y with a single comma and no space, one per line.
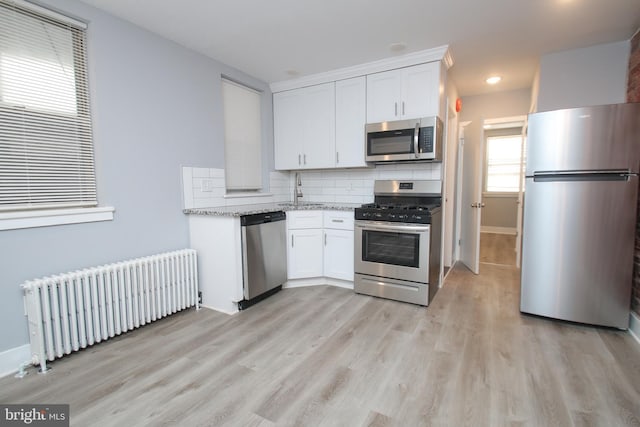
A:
297,191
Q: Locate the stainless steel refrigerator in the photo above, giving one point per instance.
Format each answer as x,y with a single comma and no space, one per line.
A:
581,194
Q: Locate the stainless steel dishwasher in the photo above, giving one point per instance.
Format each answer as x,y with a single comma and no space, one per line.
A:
264,255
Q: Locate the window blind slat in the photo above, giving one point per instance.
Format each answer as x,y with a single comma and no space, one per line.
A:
46,143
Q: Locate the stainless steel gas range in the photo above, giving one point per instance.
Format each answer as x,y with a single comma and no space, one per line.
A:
397,241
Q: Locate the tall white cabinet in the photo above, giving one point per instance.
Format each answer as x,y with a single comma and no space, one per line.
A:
350,122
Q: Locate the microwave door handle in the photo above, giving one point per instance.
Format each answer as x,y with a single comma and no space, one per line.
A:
415,140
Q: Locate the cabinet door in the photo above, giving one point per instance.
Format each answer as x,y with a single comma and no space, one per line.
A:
338,254
420,90
351,111
287,129
384,91
304,253
319,111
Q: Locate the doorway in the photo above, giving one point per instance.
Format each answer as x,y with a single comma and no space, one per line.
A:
502,178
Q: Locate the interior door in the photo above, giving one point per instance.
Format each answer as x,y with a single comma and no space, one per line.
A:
473,154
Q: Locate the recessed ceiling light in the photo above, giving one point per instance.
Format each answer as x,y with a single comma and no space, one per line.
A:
493,80
397,47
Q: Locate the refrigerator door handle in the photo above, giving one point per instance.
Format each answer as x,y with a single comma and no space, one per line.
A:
583,175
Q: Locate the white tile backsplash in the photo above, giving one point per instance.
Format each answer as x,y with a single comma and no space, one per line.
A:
356,186
205,188
323,186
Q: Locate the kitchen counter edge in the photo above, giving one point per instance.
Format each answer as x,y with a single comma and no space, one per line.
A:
240,210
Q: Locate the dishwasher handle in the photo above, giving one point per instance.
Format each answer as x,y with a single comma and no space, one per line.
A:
262,218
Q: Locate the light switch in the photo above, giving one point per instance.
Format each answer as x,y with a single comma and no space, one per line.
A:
207,185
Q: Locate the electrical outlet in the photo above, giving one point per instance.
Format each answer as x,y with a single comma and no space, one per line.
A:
207,185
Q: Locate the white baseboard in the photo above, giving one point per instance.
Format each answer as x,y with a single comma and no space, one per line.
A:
230,311
317,281
10,360
634,326
498,230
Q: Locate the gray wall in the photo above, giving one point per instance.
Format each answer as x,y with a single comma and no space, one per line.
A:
156,106
499,211
582,77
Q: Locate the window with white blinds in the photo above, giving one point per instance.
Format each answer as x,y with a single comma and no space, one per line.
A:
46,147
242,137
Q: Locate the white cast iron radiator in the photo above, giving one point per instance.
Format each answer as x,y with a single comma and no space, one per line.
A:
71,311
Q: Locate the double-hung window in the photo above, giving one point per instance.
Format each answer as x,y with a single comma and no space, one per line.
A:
46,147
503,161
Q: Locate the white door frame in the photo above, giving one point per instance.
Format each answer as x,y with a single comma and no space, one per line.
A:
458,193
449,188
512,122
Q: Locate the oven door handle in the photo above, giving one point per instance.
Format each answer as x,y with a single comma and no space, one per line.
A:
384,227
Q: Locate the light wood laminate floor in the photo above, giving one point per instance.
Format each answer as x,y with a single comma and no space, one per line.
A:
497,248
325,356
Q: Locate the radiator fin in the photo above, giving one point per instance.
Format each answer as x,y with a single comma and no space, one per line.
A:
68,312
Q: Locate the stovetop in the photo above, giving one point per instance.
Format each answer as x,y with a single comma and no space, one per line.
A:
409,213
410,201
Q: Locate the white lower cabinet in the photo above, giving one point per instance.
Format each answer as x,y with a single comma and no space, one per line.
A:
320,245
304,244
304,257
338,254
338,245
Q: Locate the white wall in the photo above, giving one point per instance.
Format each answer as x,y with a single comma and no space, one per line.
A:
594,75
496,105
156,106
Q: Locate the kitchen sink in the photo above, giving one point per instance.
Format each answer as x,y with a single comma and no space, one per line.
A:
291,204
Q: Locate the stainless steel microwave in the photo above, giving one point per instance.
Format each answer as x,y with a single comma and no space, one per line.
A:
404,140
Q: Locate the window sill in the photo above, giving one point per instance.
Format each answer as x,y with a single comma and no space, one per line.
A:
244,195
498,194
31,219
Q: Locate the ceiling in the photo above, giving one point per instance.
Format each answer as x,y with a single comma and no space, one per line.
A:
281,39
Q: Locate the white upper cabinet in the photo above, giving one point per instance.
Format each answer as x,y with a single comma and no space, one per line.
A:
405,93
287,129
304,127
319,120
384,91
351,111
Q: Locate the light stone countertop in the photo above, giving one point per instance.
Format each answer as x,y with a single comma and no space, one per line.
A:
240,210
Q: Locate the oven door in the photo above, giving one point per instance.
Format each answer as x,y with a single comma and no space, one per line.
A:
392,250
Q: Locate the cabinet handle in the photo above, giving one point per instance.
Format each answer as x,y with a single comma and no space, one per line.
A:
337,158
304,158
299,162
292,240
337,220
325,239
396,109
403,108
